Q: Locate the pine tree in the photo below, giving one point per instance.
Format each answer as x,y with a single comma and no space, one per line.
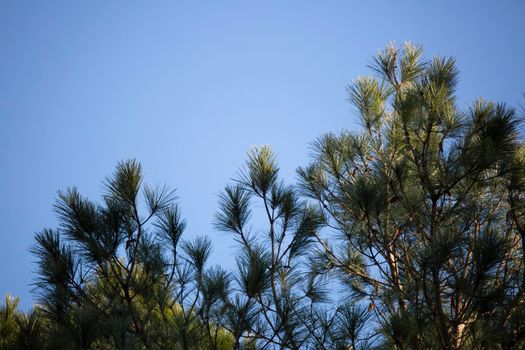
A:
114,276
426,205
408,233
278,295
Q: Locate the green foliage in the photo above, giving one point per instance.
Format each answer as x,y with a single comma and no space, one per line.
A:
114,277
408,233
430,200
8,313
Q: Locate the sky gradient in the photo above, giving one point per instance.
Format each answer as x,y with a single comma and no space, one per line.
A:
188,87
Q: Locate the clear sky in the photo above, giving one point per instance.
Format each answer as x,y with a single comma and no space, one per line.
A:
187,88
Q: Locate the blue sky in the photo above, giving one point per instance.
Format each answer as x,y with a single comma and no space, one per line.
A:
188,87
